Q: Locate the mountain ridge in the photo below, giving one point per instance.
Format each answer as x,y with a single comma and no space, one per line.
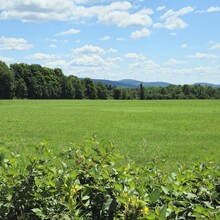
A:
130,83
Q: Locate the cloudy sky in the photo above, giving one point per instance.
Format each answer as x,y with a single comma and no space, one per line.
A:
147,40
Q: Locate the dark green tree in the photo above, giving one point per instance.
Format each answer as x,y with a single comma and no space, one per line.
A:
90,89
21,90
6,82
142,95
77,86
117,93
102,91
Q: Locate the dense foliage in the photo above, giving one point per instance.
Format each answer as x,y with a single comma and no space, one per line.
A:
37,82
86,182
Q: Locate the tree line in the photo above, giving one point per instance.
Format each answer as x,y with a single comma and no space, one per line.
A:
36,82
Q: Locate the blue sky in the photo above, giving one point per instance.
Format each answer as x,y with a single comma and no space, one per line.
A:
170,41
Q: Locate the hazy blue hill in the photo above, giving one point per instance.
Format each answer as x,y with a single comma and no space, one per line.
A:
136,83
207,84
114,83
133,83
156,84
130,83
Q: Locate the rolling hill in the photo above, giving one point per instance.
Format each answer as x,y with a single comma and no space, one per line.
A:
130,83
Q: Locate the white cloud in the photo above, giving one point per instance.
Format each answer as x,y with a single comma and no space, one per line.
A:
184,46
173,20
157,25
69,32
53,45
86,1
173,61
114,59
213,9
120,39
161,8
6,59
215,46
146,65
203,55
42,56
57,63
124,19
111,50
91,49
136,56
173,34
105,38
86,49
14,44
140,34
88,60
116,13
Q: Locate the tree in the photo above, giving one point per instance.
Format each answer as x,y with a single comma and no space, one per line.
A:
6,82
142,96
90,89
21,90
77,86
117,93
102,92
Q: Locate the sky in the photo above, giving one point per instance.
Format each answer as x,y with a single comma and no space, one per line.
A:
147,40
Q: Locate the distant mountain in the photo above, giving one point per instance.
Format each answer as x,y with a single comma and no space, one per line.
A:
130,83
207,84
115,83
136,83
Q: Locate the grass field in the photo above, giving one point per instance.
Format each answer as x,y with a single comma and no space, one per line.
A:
178,131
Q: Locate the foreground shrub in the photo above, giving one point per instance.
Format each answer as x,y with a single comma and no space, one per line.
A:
85,182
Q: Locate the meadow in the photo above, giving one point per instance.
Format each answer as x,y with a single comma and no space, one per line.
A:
176,131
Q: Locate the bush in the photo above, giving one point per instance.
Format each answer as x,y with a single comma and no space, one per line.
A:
90,185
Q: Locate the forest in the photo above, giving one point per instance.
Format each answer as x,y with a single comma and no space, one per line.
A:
32,81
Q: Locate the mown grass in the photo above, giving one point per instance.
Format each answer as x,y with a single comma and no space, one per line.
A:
178,131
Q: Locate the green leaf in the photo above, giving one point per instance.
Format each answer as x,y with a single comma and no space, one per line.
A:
107,204
162,213
154,195
64,165
165,190
85,198
38,212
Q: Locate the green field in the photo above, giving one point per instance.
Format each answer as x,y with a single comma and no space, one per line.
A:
178,131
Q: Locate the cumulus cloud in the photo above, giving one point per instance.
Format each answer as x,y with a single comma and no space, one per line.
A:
146,65
203,55
88,60
172,18
161,8
116,13
91,49
68,32
42,56
173,61
184,46
53,45
124,19
6,59
105,38
14,44
140,33
213,9
215,46
136,56
94,62
57,63
173,34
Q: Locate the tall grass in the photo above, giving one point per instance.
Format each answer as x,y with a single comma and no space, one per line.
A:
178,131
